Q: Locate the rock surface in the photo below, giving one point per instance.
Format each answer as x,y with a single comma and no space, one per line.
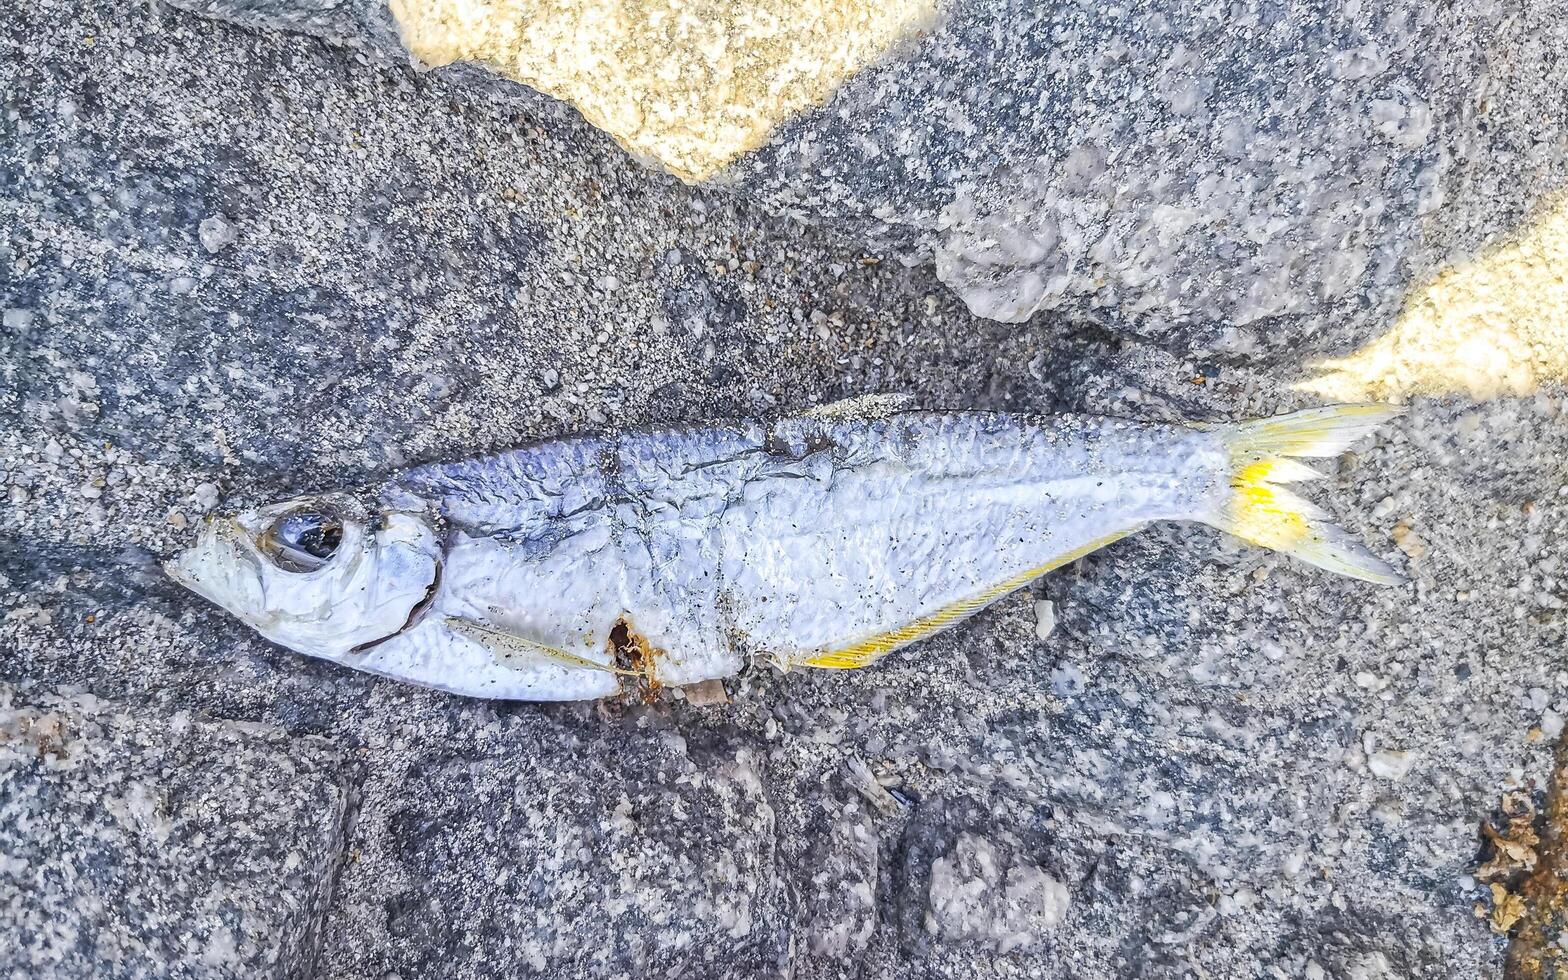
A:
567,846
1247,178
169,845
243,264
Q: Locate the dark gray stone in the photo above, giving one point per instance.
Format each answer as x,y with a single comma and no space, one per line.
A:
143,846
1249,179
360,23
566,846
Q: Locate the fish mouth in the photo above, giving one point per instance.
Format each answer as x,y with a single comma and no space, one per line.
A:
207,567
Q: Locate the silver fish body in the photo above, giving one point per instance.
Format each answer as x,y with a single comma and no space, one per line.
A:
824,540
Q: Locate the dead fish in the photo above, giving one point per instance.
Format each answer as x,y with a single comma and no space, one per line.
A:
571,568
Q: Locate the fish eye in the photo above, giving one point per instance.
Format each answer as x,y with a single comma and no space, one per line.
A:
302,541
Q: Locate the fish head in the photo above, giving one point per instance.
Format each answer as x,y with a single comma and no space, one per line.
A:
320,574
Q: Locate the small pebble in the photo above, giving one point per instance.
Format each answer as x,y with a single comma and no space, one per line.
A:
1044,618
1390,763
205,496
1408,541
1551,724
216,232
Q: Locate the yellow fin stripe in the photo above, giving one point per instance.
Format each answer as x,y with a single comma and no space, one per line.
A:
1263,513
869,651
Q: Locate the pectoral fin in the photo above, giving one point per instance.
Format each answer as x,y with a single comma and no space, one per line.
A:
511,650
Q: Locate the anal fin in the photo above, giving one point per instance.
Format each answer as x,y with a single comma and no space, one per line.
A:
864,653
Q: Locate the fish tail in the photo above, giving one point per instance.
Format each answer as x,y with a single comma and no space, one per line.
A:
1261,511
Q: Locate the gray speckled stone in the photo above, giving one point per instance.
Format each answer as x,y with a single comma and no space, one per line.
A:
570,845
1245,178
1239,176
417,269
361,23
133,845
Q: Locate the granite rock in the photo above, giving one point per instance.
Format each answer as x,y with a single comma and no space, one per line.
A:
138,845
573,845
1243,179
242,264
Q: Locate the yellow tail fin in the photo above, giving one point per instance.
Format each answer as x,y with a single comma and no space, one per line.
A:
1264,513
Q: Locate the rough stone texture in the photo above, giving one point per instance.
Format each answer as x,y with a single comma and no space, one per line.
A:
242,264
1494,325
364,24
687,85
136,845
656,857
1248,178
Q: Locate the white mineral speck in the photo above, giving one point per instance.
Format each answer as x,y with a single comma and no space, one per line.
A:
205,496
1067,681
216,232
1390,763
1551,724
976,892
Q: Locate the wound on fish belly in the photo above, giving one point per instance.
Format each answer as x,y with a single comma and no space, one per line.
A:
635,655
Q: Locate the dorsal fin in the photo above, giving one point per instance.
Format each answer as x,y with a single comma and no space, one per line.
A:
874,406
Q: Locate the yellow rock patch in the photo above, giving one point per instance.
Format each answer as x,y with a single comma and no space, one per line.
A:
690,85
1495,326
